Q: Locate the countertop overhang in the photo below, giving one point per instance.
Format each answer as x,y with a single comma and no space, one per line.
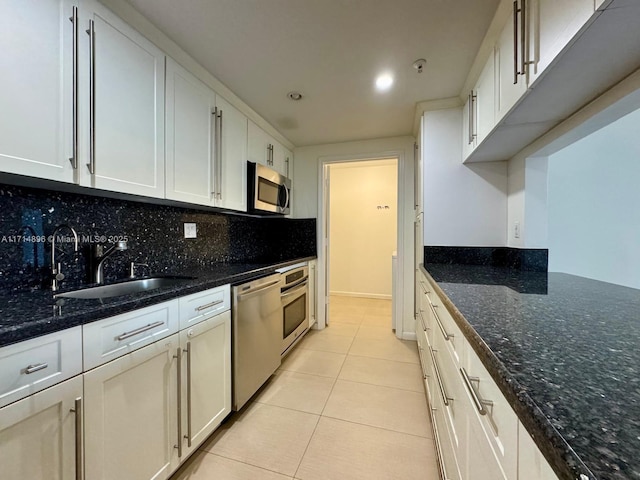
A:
564,351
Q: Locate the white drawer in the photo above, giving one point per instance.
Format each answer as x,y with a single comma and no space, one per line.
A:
199,306
500,423
444,326
105,340
33,365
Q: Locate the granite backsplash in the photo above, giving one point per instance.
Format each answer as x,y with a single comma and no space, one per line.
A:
525,259
154,234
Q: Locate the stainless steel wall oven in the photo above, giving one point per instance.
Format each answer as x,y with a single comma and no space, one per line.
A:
294,294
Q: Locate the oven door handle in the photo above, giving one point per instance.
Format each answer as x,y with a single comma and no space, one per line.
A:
294,292
286,288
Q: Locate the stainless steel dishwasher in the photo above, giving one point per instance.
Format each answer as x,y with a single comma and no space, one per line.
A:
257,335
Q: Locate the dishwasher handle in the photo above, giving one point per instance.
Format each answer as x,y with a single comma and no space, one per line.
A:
251,292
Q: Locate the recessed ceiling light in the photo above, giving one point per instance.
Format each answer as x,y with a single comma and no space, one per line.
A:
384,82
294,95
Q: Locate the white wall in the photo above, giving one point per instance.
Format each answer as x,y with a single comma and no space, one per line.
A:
464,205
305,202
362,235
594,205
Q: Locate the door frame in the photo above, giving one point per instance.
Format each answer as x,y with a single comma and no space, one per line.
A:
323,230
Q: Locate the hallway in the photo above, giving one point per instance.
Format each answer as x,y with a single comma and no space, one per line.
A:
348,403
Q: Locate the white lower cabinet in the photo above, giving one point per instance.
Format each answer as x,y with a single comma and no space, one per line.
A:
39,438
206,379
478,435
131,414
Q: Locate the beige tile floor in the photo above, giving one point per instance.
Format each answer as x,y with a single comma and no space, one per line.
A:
347,403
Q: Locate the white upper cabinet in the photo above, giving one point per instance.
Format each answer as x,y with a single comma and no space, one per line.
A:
510,83
264,149
259,145
190,108
485,101
233,157
552,24
125,105
36,88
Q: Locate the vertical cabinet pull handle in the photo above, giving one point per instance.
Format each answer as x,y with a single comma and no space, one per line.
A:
515,41
74,94
188,352
523,37
92,98
220,161
214,153
77,410
178,357
469,111
472,116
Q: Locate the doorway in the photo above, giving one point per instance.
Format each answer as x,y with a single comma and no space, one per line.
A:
360,222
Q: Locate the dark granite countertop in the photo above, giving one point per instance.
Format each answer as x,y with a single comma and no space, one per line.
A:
25,315
565,352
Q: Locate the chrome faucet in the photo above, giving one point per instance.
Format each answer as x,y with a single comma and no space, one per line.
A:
101,256
56,268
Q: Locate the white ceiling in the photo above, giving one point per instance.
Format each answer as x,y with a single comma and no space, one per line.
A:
330,51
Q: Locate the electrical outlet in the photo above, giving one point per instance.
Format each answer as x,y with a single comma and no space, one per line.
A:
190,230
516,230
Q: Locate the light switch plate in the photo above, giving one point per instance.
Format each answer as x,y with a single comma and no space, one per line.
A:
190,230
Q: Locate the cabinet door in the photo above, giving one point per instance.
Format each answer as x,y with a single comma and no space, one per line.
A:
36,88
190,106
552,24
206,388
282,159
127,97
508,92
233,164
131,415
258,145
38,434
485,101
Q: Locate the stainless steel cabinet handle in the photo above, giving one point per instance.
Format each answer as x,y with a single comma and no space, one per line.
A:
74,21
470,113
35,368
479,402
178,357
138,331
442,469
188,352
92,98
208,305
443,392
523,36
447,336
474,111
420,350
77,409
214,154
286,161
220,159
515,41
424,325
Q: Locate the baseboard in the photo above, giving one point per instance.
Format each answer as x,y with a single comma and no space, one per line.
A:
362,295
409,336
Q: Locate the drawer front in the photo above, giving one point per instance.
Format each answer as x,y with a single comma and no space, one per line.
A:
444,325
497,421
199,306
33,365
113,337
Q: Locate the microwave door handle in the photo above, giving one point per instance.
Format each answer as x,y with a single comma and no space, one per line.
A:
286,203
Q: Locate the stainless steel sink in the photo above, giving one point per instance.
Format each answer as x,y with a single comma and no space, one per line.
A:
125,288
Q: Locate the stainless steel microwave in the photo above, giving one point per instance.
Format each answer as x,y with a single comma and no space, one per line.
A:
268,191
